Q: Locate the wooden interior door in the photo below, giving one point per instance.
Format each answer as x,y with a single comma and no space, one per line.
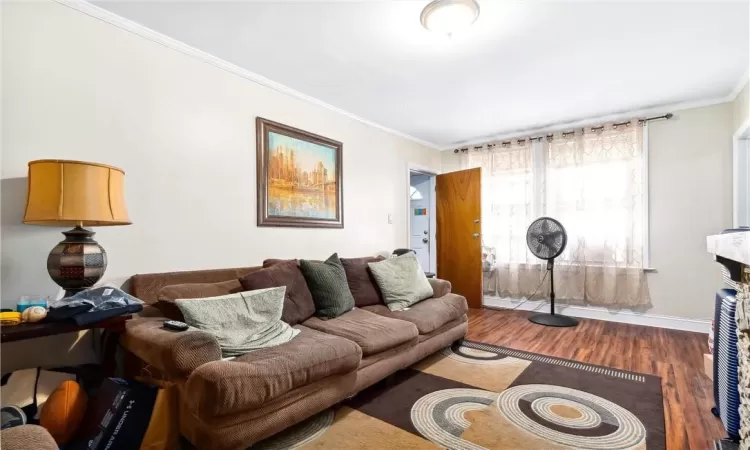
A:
459,232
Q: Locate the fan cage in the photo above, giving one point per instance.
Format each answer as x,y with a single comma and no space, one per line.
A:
546,238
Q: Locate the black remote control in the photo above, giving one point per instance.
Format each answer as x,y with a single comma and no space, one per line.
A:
175,325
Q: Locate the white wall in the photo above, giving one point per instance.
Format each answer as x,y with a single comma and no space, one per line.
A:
741,115
79,88
741,107
449,161
690,197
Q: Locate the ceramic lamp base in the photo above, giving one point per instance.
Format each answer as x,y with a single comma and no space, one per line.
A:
77,262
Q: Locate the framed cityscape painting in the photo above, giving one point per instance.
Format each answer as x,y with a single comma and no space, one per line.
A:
299,178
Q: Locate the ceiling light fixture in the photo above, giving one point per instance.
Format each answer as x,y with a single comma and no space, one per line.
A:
449,16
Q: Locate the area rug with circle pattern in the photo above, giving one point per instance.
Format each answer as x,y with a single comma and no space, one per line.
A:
480,396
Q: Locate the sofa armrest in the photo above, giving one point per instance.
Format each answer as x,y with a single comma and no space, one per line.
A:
440,287
27,436
151,311
176,353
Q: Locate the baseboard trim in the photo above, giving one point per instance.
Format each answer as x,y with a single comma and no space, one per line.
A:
598,313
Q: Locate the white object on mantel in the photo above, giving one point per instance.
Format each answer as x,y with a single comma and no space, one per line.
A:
734,246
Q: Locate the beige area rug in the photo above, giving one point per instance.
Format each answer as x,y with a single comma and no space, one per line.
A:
479,396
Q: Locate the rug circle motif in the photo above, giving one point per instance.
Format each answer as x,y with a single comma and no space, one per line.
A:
439,415
471,355
596,424
547,407
299,435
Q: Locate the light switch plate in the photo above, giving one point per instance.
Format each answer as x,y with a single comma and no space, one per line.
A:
390,218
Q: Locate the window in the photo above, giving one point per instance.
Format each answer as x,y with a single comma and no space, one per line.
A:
594,183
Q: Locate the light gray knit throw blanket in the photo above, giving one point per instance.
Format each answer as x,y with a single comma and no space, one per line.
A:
241,322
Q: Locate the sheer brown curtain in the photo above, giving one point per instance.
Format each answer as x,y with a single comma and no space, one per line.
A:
593,181
510,202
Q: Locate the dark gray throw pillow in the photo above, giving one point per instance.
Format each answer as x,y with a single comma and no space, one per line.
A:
327,283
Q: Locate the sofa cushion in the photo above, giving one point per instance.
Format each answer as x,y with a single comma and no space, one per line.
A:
463,320
256,378
327,283
273,261
401,280
168,294
298,301
372,332
146,286
361,282
428,315
28,436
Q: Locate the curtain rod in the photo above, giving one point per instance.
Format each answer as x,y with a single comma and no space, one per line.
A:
564,133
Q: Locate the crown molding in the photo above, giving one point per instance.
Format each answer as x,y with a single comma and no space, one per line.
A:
614,117
652,111
739,86
154,36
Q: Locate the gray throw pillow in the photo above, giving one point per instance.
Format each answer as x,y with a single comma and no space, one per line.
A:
327,283
241,322
401,281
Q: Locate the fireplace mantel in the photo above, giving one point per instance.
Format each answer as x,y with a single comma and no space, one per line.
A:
732,250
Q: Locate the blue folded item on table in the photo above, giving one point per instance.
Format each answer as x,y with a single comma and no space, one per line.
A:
94,305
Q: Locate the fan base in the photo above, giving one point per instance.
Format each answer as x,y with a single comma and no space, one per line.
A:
553,320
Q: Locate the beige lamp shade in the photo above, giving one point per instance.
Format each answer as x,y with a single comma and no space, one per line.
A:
71,193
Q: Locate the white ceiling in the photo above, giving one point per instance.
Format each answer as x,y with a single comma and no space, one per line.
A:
523,65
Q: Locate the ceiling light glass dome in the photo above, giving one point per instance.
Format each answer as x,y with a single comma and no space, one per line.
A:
449,16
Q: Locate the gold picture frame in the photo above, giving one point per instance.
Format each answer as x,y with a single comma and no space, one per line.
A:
300,181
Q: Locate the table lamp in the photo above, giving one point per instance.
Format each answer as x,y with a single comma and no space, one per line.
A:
79,194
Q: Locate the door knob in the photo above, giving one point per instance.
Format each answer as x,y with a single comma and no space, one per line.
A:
476,220
425,240
475,235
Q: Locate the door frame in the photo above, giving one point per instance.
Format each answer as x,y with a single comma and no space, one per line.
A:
432,173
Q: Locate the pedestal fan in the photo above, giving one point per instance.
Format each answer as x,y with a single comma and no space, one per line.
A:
547,239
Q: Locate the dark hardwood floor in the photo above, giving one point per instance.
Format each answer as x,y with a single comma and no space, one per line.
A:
675,356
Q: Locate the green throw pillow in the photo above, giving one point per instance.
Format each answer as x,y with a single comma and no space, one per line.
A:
327,283
401,280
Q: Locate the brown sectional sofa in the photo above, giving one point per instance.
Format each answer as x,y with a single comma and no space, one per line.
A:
25,437
231,404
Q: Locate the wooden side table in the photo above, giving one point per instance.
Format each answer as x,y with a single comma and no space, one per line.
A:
25,331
